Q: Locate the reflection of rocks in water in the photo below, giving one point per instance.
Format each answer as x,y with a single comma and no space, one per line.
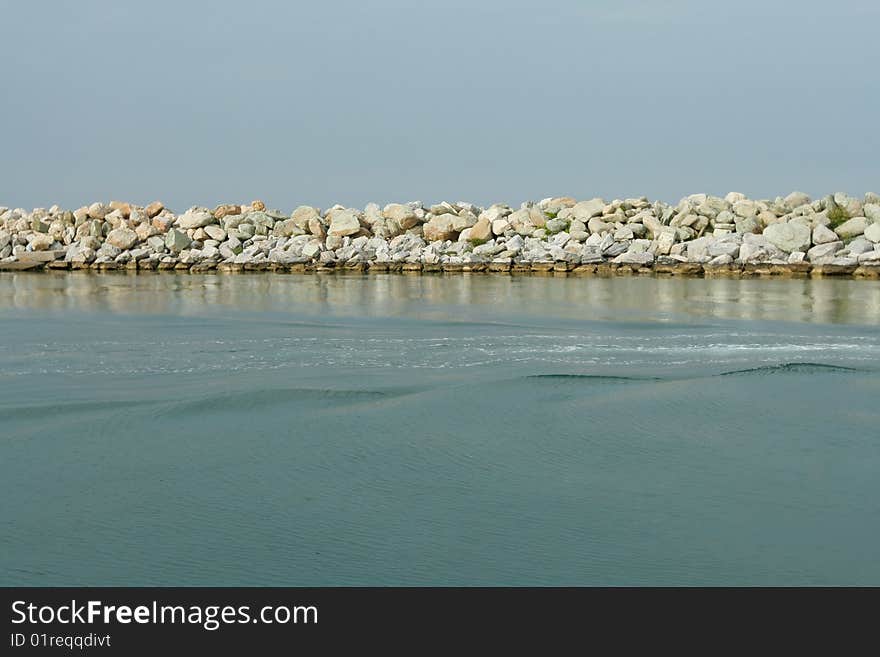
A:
449,297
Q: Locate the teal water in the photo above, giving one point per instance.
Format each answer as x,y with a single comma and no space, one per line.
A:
353,430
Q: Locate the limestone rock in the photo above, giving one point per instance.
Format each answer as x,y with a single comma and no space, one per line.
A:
466,219
555,225
304,214
122,238
499,226
344,223
852,228
80,254
98,210
215,233
316,227
176,240
404,215
796,200
596,225
747,224
124,209
41,242
153,209
823,235
195,219
482,230
225,210
440,228
859,246
789,236
823,250
585,210
163,222
634,258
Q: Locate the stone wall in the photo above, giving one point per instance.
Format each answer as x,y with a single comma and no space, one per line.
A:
701,235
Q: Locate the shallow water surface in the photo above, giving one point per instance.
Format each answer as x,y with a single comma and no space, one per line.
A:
389,429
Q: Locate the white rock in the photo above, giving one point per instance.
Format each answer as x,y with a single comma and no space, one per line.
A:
311,249
824,250
499,226
122,238
585,210
723,259
404,215
852,228
824,235
215,233
440,228
41,242
634,258
796,199
195,219
872,232
665,240
344,223
789,236
176,240
859,245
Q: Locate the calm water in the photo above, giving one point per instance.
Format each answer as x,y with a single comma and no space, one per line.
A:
311,430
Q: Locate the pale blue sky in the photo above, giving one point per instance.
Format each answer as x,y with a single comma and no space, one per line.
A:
485,101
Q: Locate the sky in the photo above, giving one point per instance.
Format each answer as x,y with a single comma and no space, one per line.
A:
485,101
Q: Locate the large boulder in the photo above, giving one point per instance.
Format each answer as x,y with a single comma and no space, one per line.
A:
122,238
195,219
596,225
634,258
344,223
852,228
823,235
745,209
284,228
176,240
317,228
481,231
215,233
80,254
824,250
664,242
464,220
98,210
440,228
585,210
712,206
872,233
499,226
698,249
303,214
789,236
747,224
796,200
41,242
153,209
404,215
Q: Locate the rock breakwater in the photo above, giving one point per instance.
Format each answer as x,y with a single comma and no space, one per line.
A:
701,235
